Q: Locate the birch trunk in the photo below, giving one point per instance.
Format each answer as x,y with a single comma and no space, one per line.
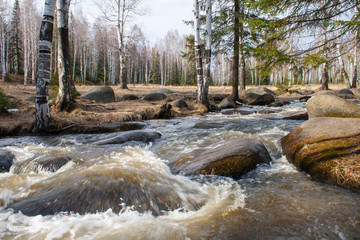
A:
207,68
44,67
198,57
64,100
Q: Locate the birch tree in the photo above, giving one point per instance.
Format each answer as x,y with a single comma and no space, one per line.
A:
120,13
198,55
30,19
207,68
64,100
3,39
44,67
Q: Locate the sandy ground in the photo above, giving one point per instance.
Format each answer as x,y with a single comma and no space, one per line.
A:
91,113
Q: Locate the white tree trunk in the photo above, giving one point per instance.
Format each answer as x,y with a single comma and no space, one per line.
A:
64,99
44,69
207,68
198,57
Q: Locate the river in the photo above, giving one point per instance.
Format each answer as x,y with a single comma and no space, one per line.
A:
272,202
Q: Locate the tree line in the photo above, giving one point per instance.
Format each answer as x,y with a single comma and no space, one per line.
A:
235,42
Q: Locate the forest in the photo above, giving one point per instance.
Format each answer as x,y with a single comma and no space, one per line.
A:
237,43
281,42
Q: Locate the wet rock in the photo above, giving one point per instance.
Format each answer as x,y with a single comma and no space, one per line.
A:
134,136
237,111
231,160
331,106
119,127
179,103
227,103
256,99
154,97
164,91
260,91
298,116
52,165
100,188
102,94
304,98
6,160
129,97
327,149
266,112
277,104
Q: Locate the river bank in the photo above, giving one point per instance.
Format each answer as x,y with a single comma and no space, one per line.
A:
88,115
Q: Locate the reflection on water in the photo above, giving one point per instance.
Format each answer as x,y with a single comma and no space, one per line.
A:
272,202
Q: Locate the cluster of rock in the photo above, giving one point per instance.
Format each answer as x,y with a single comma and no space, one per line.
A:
327,146
260,96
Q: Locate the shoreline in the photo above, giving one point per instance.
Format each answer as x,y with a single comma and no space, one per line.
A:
92,117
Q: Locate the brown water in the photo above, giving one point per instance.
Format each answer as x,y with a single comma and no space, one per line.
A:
273,202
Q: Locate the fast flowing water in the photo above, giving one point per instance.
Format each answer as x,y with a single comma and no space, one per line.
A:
272,202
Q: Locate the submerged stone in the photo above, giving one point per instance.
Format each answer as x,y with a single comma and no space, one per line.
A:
231,160
53,165
98,189
133,136
6,160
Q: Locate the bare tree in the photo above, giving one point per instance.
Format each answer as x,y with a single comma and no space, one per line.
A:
30,19
120,13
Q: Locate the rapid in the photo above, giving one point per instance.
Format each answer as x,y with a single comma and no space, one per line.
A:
272,202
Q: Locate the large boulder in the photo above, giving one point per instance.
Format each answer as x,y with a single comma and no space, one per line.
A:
234,159
260,91
331,106
328,149
133,136
6,160
102,187
102,94
257,99
227,103
154,97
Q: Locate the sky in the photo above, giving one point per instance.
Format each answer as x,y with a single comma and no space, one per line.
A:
161,17
165,15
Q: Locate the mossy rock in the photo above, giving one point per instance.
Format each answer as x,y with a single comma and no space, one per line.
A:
234,159
327,149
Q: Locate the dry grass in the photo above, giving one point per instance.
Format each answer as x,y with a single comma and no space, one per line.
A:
88,112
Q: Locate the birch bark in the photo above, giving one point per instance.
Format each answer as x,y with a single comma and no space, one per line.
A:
198,57
44,65
64,100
